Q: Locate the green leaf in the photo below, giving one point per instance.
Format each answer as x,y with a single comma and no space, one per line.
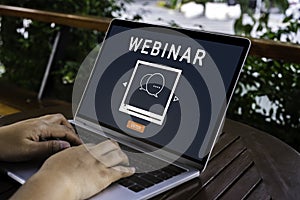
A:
287,19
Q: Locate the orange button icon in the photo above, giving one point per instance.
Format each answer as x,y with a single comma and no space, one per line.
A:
135,126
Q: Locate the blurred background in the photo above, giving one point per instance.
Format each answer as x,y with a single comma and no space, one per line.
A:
268,91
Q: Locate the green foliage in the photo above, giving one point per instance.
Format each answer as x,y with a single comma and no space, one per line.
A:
18,54
25,53
275,80
281,4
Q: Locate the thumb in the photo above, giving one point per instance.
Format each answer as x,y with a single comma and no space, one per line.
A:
52,146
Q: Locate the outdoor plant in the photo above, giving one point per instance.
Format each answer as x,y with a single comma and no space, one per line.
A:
25,45
268,90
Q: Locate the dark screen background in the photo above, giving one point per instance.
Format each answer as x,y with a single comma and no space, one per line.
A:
225,56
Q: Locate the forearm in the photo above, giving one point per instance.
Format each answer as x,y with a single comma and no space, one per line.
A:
5,147
46,186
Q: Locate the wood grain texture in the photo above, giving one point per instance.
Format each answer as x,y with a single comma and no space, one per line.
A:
275,49
95,23
23,100
245,164
6,110
261,48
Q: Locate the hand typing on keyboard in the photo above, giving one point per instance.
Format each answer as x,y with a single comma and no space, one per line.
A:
36,138
77,172
149,171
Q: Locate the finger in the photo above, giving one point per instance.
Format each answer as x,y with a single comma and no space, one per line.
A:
65,122
118,172
103,148
62,120
58,119
113,158
52,118
47,148
62,132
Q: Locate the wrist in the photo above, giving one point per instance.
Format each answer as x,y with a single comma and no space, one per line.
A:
58,182
39,185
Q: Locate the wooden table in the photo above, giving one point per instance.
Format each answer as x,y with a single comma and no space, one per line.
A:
245,164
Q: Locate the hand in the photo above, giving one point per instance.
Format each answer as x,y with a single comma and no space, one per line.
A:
24,140
77,173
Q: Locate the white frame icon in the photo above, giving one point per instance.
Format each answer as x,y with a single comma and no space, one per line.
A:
144,114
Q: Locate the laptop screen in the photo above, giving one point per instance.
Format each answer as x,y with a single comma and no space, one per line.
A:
163,86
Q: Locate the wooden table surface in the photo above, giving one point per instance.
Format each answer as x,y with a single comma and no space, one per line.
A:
245,164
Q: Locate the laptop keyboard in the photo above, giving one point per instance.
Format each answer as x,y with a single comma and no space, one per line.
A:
148,172
141,181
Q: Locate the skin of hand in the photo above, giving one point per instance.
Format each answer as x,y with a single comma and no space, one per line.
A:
25,140
77,173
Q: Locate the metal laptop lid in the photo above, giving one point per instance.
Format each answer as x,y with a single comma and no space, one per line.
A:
163,87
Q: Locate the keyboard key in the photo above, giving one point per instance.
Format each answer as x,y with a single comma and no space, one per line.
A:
136,188
151,178
139,181
172,170
164,176
126,182
156,173
176,169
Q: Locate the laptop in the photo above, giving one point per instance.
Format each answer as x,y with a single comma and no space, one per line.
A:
162,93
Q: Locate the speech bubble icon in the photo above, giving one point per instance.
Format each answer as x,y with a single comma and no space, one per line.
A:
143,82
155,84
